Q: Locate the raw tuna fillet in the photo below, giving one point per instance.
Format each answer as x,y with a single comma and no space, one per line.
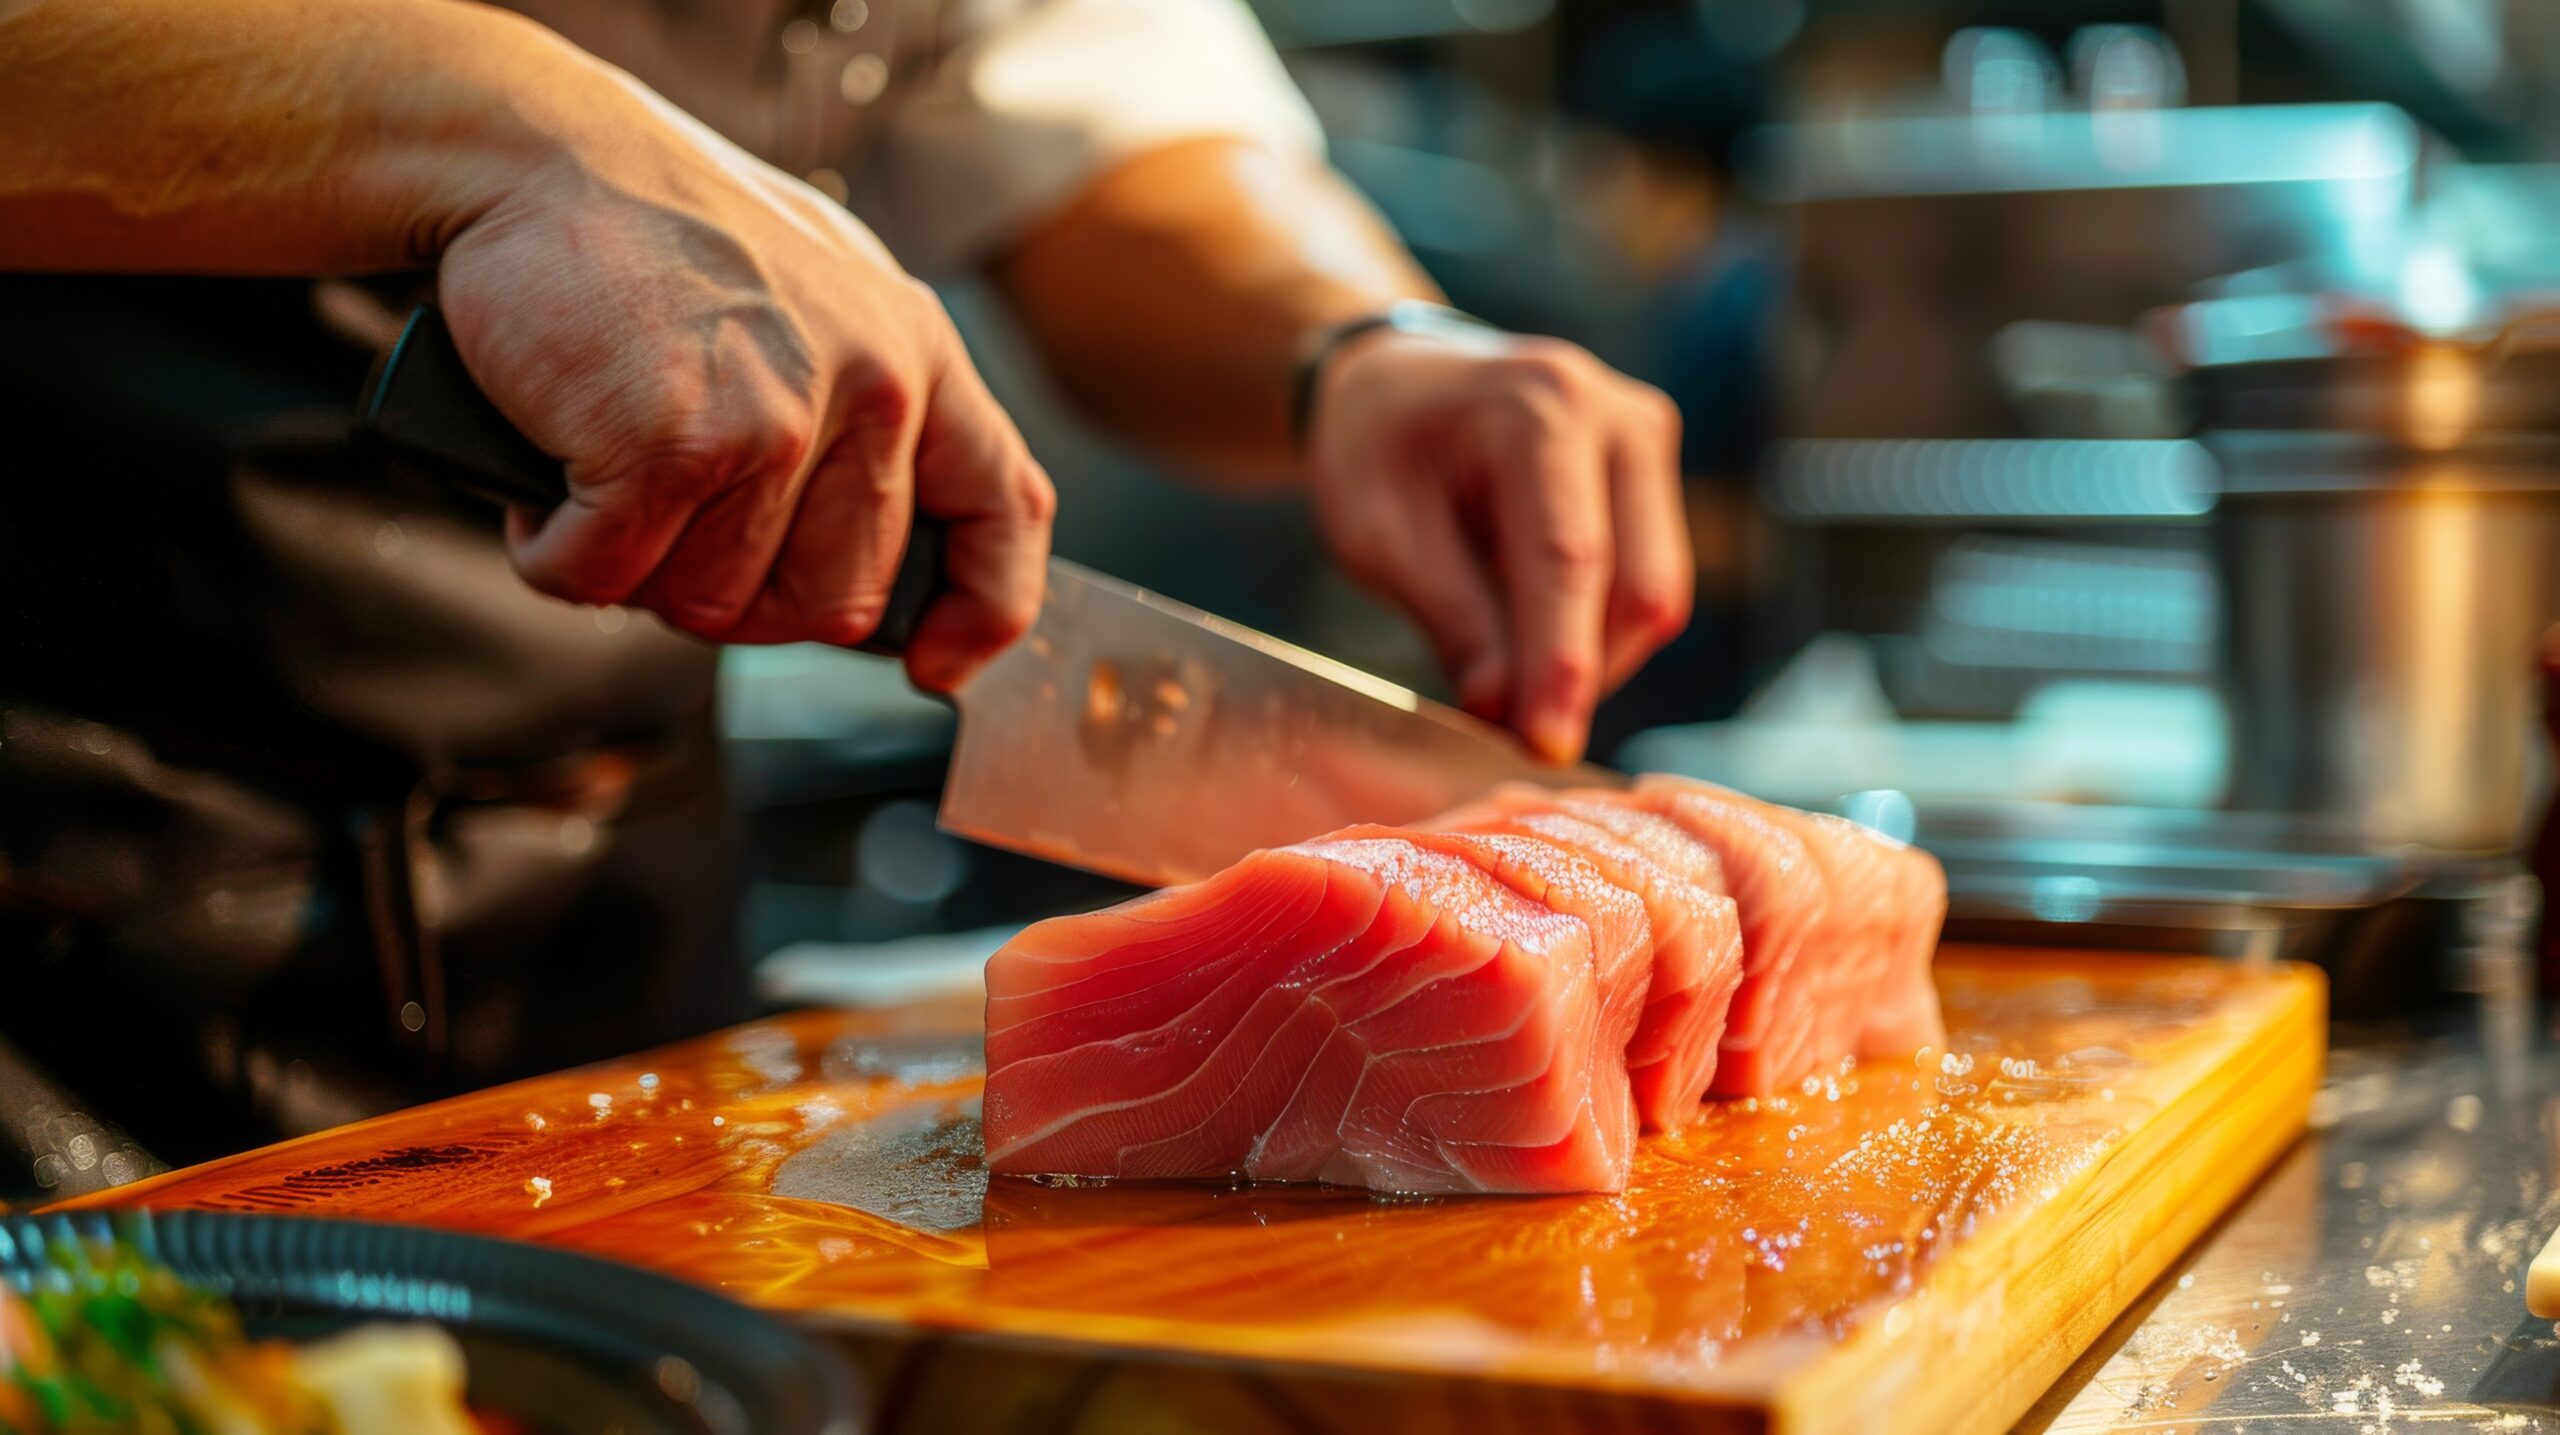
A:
1888,902
1363,1011
1696,931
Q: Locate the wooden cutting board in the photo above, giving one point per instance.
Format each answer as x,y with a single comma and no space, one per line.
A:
1914,1246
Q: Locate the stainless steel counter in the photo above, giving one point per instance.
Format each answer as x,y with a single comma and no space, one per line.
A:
2375,1280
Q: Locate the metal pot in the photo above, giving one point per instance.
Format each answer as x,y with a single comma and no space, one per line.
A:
2383,607
2388,513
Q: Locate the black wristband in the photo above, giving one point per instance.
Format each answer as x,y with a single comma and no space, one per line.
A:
1405,316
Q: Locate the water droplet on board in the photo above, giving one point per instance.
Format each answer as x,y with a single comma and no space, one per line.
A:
922,1166
920,1061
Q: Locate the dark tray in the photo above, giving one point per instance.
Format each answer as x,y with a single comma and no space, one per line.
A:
566,1342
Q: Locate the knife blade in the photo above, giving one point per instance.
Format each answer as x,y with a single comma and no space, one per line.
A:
1142,738
1127,734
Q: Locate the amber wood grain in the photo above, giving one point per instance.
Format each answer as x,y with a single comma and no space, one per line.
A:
1914,1246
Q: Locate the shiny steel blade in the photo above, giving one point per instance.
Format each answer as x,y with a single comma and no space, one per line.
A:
1144,739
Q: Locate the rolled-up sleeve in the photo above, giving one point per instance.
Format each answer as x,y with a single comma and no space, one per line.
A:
1008,125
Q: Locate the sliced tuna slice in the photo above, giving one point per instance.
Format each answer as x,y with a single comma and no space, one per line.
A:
1363,1011
1771,1037
1569,884
1888,901
1774,1037
1697,935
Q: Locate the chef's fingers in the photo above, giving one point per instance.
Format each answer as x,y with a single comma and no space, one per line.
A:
1422,561
625,519
598,546
974,472
831,582
1655,579
724,558
1552,543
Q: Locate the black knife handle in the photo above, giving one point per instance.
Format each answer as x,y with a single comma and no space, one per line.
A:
424,405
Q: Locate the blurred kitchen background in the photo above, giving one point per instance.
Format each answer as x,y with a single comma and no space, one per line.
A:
2122,435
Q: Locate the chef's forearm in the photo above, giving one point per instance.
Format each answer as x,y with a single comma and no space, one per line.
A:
1174,297
272,136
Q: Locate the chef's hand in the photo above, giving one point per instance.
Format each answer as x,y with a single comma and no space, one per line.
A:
750,396
1521,500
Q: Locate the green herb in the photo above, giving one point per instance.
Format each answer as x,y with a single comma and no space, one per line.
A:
110,1314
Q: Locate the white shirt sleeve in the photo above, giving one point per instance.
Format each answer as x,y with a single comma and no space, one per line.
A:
1013,121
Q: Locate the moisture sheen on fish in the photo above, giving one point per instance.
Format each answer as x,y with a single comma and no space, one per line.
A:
1694,930
1365,1011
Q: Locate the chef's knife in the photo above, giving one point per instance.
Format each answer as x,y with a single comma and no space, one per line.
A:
1127,734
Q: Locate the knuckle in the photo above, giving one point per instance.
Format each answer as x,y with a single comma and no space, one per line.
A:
1551,365
883,404
692,460
1528,417
781,443
684,464
929,317
886,489
837,611
1574,555
1539,374
1035,498
1005,616
1667,411
1659,610
1015,618
1658,407
1571,673
848,621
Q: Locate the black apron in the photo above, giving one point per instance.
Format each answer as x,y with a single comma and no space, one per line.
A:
308,807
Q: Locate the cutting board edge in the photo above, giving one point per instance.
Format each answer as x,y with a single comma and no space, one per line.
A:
2281,1075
